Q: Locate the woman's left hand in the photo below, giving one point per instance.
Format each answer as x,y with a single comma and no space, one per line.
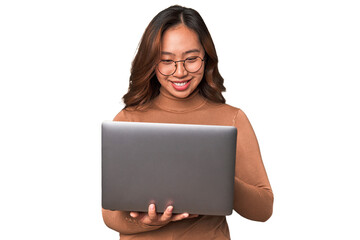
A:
152,218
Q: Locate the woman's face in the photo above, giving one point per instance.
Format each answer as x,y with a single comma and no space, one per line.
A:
180,43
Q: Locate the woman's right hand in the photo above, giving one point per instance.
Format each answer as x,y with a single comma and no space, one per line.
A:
151,218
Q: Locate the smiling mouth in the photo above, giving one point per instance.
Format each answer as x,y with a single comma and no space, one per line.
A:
180,84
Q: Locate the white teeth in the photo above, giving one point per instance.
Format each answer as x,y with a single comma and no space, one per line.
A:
180,84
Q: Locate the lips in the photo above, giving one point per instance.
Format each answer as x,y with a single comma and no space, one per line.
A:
180,85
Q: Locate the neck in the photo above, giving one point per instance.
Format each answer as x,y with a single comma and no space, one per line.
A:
168,102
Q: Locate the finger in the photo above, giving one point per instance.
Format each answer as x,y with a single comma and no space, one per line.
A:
167,214
152,212
134,214
179,217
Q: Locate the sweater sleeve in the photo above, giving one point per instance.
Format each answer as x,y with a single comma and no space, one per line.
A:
253,196
121,221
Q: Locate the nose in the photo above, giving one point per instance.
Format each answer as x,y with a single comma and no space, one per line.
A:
180,70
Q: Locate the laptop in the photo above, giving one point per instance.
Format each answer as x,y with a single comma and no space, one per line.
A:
190,167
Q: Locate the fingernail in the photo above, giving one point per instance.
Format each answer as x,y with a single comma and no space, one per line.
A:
185,214
152,206
170,208
132,214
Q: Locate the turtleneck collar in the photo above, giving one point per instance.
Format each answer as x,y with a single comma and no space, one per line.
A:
170,103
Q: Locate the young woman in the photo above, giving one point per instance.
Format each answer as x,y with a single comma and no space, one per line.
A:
175,79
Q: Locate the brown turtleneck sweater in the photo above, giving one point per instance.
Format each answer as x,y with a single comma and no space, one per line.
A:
253,197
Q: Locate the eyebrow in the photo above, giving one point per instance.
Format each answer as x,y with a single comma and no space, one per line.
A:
187,52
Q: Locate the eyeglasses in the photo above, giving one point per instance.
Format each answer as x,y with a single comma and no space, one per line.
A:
191,65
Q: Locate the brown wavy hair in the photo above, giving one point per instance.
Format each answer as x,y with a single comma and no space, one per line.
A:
143,83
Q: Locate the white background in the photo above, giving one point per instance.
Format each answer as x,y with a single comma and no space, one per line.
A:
292,66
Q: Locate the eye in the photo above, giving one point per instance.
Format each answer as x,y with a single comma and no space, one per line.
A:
167,61
191,59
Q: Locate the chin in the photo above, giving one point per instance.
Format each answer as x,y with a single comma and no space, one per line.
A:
181,94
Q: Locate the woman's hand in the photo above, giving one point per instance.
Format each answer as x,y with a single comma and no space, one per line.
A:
153,219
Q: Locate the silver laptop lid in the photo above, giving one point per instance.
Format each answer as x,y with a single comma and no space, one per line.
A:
188,166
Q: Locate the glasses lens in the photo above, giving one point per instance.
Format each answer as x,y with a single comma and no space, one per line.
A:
166,67
193,64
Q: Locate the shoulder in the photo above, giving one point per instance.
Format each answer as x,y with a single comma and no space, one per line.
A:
225,108
225,112
127,114
239,117
241,120
121,116
124,114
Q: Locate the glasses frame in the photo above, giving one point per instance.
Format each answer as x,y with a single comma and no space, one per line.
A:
183,61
